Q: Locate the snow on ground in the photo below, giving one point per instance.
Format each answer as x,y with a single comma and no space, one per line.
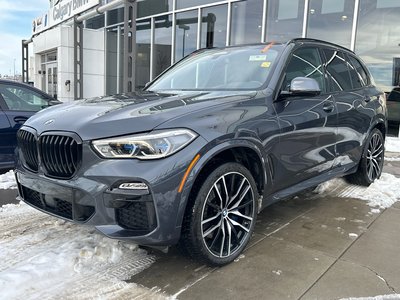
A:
383,193
392,159
42,257
7,181
392,144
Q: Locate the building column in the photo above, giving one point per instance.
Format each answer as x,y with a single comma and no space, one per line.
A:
129,46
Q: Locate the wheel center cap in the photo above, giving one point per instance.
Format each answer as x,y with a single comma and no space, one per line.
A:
225,213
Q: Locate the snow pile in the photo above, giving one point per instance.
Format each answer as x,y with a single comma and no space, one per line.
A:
7,181
42,257
383,193
392,158
392,144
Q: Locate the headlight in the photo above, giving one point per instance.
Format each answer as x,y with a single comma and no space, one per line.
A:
153,145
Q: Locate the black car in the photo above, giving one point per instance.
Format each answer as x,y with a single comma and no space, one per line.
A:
212,141
18,101
393,106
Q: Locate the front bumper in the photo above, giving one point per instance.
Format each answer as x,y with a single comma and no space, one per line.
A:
93,196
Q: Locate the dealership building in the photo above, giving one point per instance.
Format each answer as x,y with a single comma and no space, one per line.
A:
80,48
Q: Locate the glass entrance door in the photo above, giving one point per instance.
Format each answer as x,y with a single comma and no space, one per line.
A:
51,82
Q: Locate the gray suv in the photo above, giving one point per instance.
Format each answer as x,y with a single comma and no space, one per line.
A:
207,145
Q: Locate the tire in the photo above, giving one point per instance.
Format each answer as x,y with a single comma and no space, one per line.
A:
371,163
217,228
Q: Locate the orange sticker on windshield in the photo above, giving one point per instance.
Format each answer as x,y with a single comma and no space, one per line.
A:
266,48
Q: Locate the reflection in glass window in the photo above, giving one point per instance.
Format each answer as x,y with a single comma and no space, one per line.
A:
95,22
216,69
378,37
153,7
246,22
162,44
337,71
190,3
387,3
185,34
114,67
115,16
358,74
284,19
331,18
305,62
213,26
143,33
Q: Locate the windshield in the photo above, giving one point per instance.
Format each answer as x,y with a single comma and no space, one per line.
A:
221,69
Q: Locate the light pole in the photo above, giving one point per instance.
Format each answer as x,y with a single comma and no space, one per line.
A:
14,68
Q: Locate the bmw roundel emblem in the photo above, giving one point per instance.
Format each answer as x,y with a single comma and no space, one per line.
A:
48,122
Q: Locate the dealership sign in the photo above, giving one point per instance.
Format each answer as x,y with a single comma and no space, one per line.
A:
62,11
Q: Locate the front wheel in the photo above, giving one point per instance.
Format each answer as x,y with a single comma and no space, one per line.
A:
219,223
371,163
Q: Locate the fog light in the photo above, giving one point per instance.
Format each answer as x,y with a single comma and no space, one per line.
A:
133,186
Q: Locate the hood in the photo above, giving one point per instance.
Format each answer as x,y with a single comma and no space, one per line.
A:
128,113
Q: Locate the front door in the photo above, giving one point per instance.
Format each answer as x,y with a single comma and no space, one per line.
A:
308,124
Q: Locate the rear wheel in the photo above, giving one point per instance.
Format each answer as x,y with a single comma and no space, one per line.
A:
219,223
371,164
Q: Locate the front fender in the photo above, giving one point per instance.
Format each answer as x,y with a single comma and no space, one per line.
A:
206,155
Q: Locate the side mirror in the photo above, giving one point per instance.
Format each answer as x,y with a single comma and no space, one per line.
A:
54,102
303,86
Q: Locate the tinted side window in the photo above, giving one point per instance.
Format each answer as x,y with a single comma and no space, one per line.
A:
361,75
22,98
337,71
305,62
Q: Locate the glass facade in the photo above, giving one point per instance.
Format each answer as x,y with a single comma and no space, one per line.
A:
378,38
162,44
334,17
168,30
284,19
185,33
246,22
213,26
143,53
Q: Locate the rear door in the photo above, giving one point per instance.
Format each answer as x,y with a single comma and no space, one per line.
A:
308,124
355,111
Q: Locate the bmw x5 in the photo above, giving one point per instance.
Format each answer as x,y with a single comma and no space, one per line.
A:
194,157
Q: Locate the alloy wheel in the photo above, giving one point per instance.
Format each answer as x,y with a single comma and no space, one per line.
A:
375,157
227,214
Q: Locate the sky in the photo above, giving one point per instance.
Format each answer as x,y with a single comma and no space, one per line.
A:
16,18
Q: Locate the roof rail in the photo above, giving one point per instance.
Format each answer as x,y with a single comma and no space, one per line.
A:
295,40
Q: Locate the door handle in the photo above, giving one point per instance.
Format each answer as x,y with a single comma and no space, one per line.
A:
20,119
367,98
328,107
